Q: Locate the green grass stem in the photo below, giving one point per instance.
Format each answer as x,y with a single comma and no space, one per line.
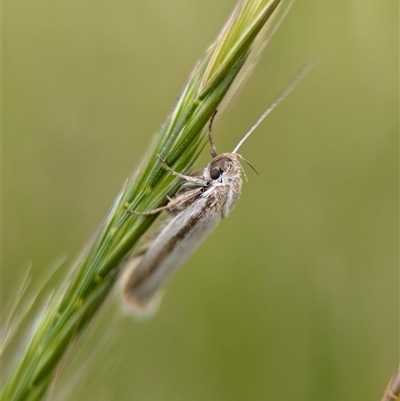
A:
179,142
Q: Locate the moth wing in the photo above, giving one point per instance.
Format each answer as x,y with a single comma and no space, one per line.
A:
147,273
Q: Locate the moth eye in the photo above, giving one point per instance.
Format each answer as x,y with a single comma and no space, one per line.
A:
215,173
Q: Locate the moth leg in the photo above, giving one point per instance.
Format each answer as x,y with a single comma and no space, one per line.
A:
185,197
171,205
213,150
150,212
197,180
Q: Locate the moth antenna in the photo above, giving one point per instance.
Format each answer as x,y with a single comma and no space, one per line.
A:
213,148
248,163
275,103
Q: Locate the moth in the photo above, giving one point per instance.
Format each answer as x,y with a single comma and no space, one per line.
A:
207,197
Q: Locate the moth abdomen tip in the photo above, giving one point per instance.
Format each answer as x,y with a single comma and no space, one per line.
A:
134,303
140,307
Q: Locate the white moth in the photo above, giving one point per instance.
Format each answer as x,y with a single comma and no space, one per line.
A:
207,198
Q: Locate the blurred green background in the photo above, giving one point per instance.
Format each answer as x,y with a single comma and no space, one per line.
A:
295,296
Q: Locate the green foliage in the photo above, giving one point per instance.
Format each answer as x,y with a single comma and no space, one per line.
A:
179,142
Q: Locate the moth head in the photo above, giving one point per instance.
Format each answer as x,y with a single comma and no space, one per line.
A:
226,165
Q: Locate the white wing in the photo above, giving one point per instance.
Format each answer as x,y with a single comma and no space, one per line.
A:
176,242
